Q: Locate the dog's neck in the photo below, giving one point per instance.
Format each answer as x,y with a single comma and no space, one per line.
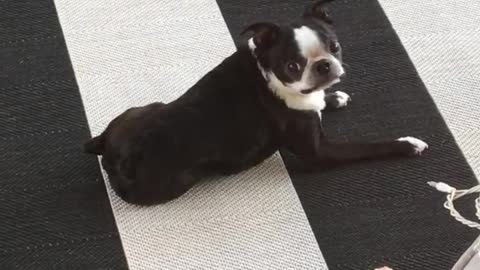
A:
314,101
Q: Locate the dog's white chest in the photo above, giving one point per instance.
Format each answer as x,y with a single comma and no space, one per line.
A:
311,102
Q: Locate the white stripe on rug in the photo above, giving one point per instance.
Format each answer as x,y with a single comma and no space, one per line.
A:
131,52
442,38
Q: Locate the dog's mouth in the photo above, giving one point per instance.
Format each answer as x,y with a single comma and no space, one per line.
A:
320,87
310,90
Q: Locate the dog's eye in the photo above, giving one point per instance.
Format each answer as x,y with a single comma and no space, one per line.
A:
334,46
293,67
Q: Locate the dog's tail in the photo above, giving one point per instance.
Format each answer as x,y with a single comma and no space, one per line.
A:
95,145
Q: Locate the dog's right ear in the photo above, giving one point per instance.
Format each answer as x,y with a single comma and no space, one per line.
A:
318,11
265,34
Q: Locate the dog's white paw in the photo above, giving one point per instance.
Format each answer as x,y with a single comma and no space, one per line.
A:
418,146
342,99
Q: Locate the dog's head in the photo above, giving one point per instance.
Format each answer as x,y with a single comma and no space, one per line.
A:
301,58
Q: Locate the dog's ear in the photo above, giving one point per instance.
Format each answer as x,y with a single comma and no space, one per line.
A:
265,34
318,11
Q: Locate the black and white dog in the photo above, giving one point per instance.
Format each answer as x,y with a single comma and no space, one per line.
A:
267,95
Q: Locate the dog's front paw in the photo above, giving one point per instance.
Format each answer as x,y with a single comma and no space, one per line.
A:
415,146
338,99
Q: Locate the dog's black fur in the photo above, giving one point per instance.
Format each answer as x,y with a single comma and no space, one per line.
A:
227,122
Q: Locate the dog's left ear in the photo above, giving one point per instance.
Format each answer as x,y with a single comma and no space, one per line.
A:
318,11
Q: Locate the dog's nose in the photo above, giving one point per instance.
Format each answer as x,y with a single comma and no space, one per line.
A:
322,67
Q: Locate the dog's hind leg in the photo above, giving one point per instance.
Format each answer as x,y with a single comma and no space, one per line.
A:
158,190
180,185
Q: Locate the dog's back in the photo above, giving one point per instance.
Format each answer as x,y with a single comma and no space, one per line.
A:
157,152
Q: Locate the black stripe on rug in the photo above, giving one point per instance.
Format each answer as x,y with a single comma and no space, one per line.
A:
382,212
54,209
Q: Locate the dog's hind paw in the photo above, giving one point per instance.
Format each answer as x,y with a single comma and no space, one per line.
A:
417,145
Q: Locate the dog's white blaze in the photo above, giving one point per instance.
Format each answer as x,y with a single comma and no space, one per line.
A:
337,67
314,50
308,42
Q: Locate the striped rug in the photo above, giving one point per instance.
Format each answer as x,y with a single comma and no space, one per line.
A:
68,67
